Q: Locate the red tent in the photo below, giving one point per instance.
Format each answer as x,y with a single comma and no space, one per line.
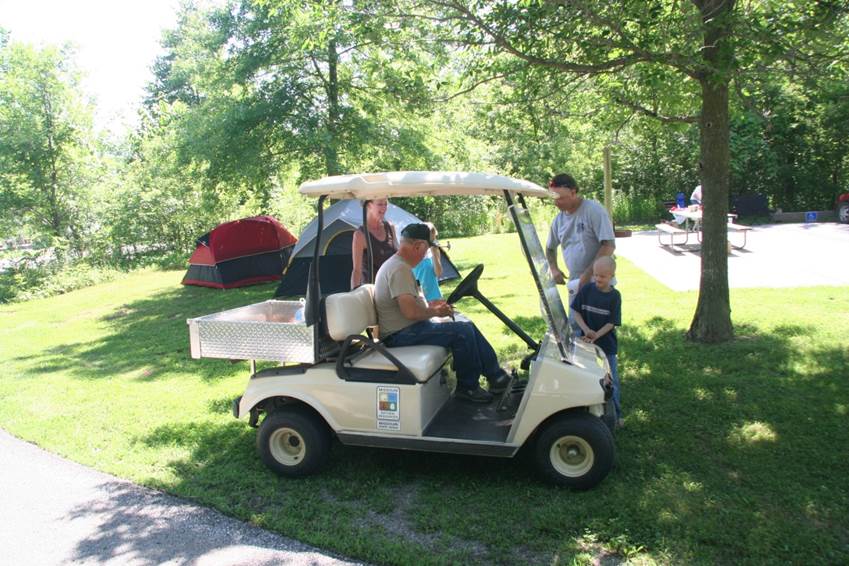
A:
239,253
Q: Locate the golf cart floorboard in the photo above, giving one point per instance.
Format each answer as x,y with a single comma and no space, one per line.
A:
464,420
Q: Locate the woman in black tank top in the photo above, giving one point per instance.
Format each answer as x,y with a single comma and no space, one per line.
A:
384,242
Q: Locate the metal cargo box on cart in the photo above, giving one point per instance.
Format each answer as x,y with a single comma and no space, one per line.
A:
268,331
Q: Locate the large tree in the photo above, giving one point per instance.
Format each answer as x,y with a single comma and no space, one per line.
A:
270,85
674,61
46,140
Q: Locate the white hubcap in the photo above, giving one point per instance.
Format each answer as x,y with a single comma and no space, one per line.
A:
287,446
571,456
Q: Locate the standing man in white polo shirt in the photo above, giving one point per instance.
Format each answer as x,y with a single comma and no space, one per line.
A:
582,229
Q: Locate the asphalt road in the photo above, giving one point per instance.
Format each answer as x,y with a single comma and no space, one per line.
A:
54,511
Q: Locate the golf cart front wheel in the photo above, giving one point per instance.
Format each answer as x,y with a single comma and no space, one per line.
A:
575,451
293,443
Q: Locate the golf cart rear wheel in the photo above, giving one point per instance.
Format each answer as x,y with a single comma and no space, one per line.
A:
293,442
575,451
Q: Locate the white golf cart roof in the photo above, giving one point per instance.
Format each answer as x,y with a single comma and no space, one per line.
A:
367,186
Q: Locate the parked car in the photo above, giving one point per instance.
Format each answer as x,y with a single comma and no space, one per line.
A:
841,208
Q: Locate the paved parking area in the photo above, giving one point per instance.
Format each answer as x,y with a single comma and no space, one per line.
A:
776,255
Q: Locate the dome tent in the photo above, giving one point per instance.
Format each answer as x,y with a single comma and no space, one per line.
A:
242,252
340,221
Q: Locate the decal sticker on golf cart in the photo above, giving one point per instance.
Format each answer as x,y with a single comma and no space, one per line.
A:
388,406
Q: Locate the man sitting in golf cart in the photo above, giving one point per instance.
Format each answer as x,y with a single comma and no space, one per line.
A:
405,320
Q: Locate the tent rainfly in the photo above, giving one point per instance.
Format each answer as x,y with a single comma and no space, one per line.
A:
242,252
340,221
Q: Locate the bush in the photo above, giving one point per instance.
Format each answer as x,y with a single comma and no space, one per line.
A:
636,209
454,216
34,281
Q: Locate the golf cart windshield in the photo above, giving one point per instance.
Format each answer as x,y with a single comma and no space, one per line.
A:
551,305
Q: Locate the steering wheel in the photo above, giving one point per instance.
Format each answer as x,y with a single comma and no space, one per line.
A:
468,286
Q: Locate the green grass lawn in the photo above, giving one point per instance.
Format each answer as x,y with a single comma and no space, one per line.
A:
734,453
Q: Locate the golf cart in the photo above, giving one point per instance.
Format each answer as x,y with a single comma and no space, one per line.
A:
336,379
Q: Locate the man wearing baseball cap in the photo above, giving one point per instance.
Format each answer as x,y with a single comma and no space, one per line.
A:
405,317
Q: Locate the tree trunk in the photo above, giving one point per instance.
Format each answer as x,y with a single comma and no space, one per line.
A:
712,320
52,189
331,151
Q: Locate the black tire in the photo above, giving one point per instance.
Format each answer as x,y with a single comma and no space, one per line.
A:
293,442
575,451
609,417
843,212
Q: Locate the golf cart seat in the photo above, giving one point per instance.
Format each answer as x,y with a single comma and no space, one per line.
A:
348,315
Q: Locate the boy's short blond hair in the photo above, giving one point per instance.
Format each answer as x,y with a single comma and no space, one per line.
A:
605,261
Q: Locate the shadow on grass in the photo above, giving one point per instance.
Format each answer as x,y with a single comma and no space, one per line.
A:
147,336
731,453
715,436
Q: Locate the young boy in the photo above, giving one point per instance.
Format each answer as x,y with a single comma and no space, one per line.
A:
598,311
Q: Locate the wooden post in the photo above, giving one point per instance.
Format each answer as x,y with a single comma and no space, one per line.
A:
608,192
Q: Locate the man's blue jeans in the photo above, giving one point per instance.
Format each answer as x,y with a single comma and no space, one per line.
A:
472,354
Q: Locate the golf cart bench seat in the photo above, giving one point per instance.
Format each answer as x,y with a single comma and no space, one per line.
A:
348,316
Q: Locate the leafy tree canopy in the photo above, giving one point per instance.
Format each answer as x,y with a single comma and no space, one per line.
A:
46,140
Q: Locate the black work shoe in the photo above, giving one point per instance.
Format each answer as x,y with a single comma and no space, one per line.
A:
500,383
476,395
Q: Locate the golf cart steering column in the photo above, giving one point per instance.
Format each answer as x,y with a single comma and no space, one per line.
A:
468,287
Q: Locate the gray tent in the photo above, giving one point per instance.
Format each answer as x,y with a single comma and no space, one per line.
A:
340,221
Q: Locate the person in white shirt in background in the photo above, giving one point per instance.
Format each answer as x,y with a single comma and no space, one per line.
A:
696,197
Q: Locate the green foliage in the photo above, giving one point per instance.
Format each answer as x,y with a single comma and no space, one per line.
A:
635,209
315,84
454,216
551,110
790,146
46,158
29,280
252,97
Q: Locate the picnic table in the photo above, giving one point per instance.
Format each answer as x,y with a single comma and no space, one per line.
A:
690,222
